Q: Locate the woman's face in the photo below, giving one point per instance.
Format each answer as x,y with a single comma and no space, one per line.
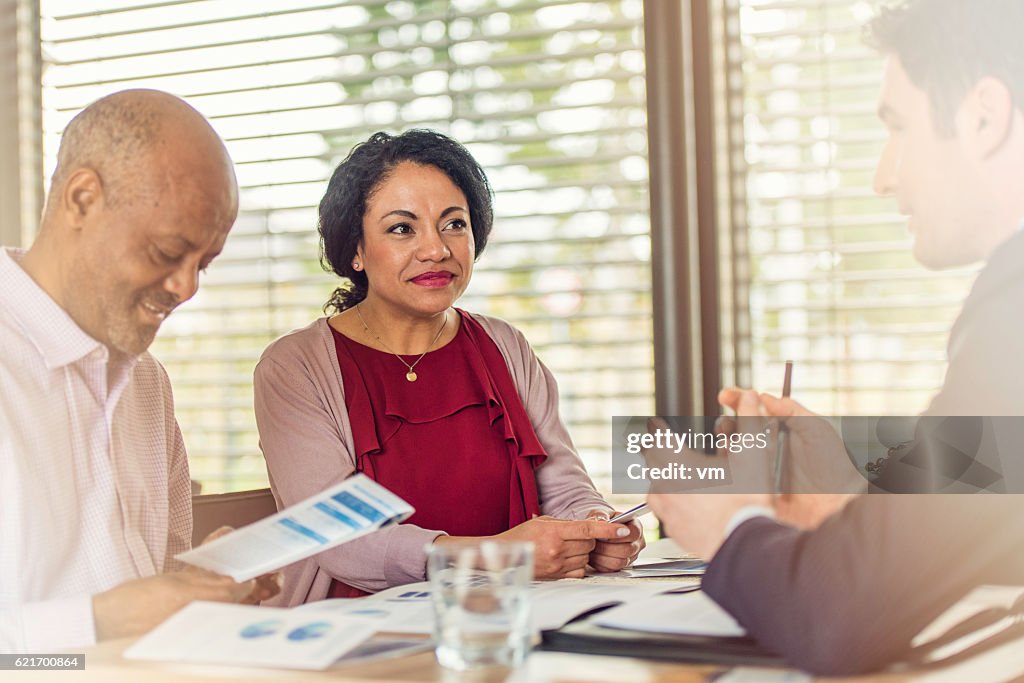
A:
417,247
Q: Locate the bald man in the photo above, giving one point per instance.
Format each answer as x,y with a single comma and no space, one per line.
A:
94,483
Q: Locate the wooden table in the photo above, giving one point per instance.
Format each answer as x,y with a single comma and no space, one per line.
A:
104,664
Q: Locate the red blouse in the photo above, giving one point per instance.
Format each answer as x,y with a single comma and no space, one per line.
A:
448,443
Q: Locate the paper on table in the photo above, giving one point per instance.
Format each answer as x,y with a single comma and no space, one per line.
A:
384,647
689,567
246,635
751,674
407,609
353,508
691,613
1002,662
401,609
554,603
979,599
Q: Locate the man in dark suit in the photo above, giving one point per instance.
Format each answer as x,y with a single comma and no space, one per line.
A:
848,595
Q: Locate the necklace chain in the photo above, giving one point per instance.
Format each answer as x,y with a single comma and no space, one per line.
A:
411,374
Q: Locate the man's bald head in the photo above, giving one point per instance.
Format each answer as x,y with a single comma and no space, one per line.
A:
141,202
128,137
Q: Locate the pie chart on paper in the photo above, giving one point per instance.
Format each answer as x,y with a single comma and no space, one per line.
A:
317,629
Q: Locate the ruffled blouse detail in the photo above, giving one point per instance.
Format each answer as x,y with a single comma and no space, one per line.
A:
463,412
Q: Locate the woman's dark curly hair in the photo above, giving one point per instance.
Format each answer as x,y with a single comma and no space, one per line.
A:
366,167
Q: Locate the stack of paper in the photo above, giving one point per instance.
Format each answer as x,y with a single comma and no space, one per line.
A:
669,568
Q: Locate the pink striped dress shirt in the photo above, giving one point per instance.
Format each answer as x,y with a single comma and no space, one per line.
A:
94,483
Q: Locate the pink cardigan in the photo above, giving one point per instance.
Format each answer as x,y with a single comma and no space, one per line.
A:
307,442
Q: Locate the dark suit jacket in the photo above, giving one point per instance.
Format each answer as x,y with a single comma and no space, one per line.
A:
849,596
985,375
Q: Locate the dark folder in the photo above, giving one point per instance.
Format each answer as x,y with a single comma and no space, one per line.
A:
585,636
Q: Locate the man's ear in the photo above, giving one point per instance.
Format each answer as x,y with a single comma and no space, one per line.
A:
82,196
985,118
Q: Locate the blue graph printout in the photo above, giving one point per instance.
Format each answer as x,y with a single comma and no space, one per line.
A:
353,508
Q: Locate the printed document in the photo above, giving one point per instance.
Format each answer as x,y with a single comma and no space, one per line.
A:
408,608
353,508
668,568
691,613
246,635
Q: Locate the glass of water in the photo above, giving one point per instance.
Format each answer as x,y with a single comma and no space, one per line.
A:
480,591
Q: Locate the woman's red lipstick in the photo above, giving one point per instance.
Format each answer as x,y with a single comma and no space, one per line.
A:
433,278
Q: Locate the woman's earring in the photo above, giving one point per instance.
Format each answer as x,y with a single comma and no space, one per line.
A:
356,265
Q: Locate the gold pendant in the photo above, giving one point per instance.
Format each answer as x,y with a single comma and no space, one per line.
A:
411,376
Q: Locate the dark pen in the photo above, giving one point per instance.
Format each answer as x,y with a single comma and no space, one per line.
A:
780,441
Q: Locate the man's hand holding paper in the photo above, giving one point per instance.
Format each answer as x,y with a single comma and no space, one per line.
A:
137,606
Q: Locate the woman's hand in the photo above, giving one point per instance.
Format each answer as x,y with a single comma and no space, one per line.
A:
562,547
615,554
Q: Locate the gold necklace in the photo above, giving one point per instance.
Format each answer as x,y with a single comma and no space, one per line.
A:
411,375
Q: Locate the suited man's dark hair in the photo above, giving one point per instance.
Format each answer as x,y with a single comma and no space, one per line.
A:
363,171
946,46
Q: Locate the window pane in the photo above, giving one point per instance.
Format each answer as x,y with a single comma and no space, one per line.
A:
549,96
832,281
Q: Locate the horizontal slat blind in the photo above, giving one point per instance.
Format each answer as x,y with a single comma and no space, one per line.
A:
548,95
832,281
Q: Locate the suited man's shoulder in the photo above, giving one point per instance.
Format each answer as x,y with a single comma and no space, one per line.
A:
985,352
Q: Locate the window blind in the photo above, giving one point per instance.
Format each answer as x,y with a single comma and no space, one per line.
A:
548,95
829,279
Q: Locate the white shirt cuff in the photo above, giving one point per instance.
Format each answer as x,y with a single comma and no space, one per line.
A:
747,512
57,625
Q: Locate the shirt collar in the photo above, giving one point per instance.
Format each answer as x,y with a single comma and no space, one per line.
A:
58,338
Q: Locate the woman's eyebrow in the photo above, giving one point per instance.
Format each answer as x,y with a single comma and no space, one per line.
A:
400,212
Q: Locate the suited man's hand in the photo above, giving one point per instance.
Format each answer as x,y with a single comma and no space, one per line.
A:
698,521
740,464
822,478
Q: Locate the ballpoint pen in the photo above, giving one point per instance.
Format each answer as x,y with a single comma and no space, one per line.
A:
630,514
780,441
